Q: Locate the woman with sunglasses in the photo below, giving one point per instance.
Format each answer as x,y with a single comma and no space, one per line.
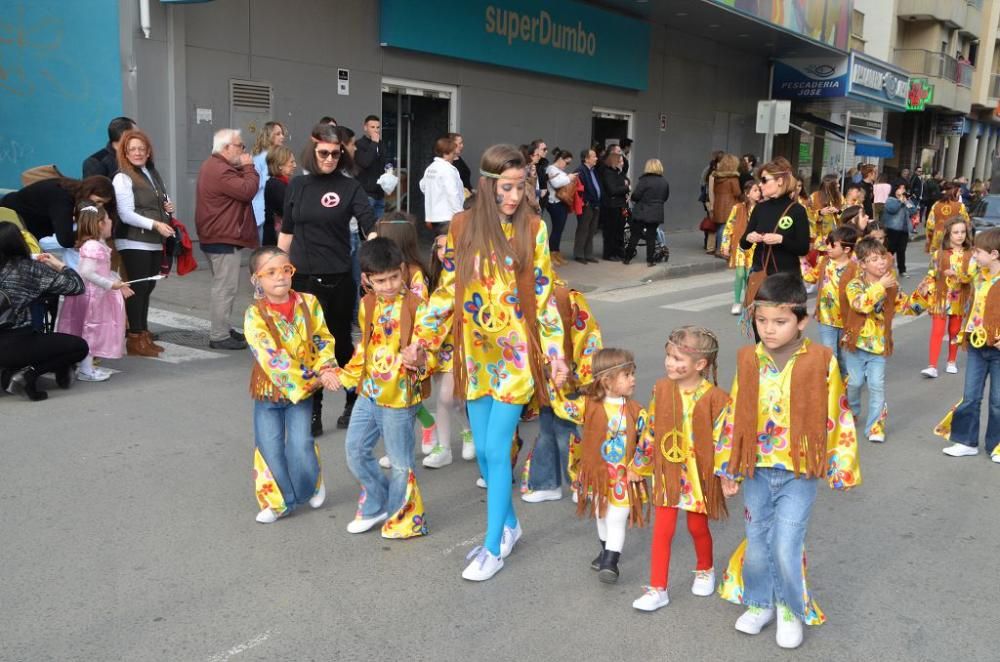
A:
778,225
316,232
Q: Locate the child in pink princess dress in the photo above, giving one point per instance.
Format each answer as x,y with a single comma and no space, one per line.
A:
97,315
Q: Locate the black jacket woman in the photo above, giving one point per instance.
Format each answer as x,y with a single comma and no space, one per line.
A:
280,167
26,354
778,225
316,232
648,197
614,195
47,207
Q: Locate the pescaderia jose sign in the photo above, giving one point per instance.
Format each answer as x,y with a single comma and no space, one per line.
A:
561,38
855,76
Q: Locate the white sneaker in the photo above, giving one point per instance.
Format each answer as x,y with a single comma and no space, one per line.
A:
789,632
509,539
996,456
267,516
317,499
95,375
384,462
960,450
652,600
439,457
483,566
951,369
428,439
576,497
929,371
735,310
481,482
877,438
468,446
538,496
754,619
704,582
366,524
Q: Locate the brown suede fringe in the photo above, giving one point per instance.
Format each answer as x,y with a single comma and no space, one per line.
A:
593,478
940,303
526,296
850,272
667,474
991,315
261,386
853,321
808,399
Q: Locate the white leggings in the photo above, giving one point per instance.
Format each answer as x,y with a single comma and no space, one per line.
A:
611,527
446,404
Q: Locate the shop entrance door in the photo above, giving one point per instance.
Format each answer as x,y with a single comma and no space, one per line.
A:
414,115
610,126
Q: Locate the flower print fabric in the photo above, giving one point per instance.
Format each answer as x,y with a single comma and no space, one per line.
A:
869,299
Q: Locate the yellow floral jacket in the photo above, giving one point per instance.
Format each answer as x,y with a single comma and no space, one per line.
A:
981,288
955,285
585,334
828,297
935,230
379,372
773,420
744,258
293,365
496,355
613,450
870,300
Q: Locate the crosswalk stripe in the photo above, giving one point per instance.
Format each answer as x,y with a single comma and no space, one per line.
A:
178,320
659,288
702,303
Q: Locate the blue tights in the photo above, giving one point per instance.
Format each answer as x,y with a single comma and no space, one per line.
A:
493,425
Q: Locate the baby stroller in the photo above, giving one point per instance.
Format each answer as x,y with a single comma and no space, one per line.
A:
661,253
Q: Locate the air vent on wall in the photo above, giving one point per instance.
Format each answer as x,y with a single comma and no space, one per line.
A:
248,95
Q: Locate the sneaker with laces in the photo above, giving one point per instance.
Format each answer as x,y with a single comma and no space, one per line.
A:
960,450
652,599
440,457
94,375
509,539
483,565
267,516
385,462
704,582
929,371
468,446
428,439
362,524
789,631
754,619
481,482
951,368
538,496
317,499
996,456
735,310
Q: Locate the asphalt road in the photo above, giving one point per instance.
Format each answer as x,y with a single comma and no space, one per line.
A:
128,532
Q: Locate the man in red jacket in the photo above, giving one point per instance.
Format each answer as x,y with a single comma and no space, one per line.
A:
227,183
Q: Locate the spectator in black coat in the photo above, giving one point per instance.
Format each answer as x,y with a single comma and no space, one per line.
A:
614,194
369,160
105,160
47,206
464,173
650,193
280,167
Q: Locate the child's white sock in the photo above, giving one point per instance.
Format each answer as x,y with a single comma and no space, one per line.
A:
616,522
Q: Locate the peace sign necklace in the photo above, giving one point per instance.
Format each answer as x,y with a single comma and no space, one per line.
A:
674,453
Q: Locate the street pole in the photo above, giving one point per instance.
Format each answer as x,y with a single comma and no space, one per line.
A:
769,136
843,163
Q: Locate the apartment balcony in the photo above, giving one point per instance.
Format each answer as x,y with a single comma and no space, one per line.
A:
964,15
952,80
994,90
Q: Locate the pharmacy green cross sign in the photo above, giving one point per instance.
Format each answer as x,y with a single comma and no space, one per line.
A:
920,94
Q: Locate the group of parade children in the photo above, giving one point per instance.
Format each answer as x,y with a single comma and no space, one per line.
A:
784,424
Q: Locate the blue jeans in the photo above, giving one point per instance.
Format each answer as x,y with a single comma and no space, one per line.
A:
493,425
551,451
864,367
283,434
378,206
981,363
558,211
778,506
829,336
369,422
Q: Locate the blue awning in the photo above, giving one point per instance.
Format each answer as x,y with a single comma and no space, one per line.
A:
864,145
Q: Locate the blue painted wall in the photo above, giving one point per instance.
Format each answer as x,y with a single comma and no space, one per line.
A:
60,83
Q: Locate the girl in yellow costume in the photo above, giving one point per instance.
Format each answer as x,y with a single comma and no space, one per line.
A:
293,358
948,207
824,210
495,297
736,227
613,423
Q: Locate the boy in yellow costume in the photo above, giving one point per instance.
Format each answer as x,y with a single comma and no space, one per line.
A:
293,358
788,425
389,396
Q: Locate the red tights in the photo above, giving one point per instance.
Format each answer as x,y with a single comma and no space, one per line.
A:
937,334
663,534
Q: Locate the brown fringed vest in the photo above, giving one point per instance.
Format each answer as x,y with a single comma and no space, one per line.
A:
667,474
940,303
850,271
261,386
808,397
593,474
853,320
565,307
406,316
739,229
525,279
991,316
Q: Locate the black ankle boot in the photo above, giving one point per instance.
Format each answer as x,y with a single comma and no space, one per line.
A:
608,571
31,387
596,563
317,415
64,376
345,419
6,376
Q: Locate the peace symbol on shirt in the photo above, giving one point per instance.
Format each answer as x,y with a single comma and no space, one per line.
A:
330,199
785,222
493,318
978,338
673,453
